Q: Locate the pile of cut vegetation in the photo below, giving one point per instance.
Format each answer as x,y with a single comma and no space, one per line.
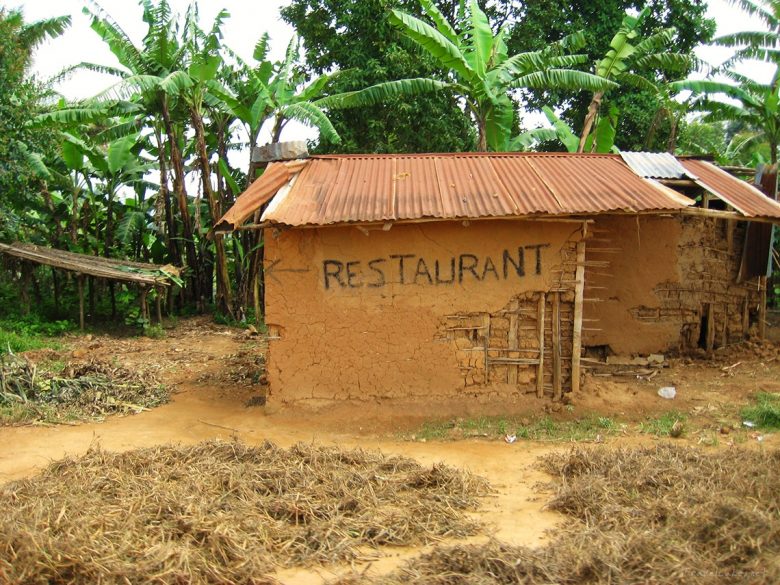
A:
640,516
222,512
83,389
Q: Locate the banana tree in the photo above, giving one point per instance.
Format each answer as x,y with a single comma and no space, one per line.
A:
154,75
755,45
560,132
626,57
204,51
758,104
255,94
479,69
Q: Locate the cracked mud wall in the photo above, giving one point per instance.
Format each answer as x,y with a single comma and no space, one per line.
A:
651,281
365,315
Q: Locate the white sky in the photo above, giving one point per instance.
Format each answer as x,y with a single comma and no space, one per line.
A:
248,20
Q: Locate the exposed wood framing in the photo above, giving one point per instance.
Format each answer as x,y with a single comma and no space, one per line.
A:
556,345
540,365
579,293
486,328
513,339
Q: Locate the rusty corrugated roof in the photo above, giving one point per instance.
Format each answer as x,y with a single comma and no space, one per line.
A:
742,196
375,188
655,165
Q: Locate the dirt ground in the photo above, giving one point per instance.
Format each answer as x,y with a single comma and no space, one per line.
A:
218,389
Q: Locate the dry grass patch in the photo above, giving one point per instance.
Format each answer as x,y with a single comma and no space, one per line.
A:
221,512
639,516
90,389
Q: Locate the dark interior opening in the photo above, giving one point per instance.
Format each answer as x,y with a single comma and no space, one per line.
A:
703,330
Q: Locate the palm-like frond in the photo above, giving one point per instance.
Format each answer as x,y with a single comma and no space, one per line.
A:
311,115
441,23
382,92
751,38
33,34
563,79
117,39
440,47
768,16
666,61
639,82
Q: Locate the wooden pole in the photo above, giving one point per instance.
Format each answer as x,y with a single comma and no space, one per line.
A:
80,281
142,300
762,308
540,367
710,340
511,376
745,318
158,302
579,293
556,344
486,330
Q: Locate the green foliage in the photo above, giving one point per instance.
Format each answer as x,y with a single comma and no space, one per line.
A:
538,23
31,332
356,38
479,70
538,429
765,413
662,425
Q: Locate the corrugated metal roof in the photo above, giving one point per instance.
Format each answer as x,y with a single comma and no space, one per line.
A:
259,192
374,188
655,165
742,196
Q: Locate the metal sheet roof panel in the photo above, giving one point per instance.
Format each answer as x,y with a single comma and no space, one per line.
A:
655,165
374,188
742,196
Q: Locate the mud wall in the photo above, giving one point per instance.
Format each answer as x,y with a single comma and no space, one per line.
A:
660,284
444,309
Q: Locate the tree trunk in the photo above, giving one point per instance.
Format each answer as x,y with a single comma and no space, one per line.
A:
671,144
181,197
481,136
171,231
773,152
590,118
223,297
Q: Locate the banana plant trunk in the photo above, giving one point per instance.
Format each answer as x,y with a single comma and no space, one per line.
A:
181,197
590,118
171,232
224,294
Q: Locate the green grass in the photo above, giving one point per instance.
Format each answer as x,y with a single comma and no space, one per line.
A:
28,333
540,429
662,426
765,413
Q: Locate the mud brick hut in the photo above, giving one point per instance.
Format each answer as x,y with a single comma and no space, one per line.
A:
444,276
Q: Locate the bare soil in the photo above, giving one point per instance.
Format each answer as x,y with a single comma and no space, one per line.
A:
218,387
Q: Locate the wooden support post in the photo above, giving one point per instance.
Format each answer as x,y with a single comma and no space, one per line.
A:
540,367
511,371
762,307
80,282
745,318
142,301
724,337
579,291
486,330
556,345
710,341
158,303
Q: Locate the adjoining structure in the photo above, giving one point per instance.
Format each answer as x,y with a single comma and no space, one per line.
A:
447,276
145,276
